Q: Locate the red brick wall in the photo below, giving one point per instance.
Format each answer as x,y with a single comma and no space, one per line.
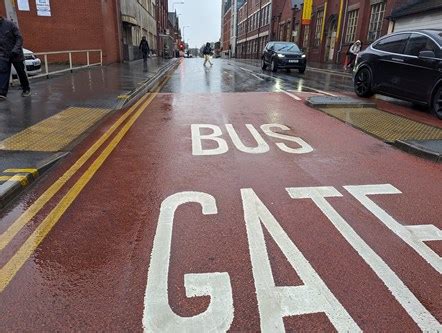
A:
74,25
318,53
226,30
2,8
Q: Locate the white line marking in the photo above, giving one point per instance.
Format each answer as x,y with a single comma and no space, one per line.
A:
251,73
291,95
278,78
276,302
413,235
158,316
421,316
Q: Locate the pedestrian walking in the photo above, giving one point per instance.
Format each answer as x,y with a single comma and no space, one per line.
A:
144,48
352,52
11,54
207,52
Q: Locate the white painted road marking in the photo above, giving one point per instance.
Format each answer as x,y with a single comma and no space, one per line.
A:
278,78
421,316
158,316
253,74
305,147
277,302
291,95
414,236
274,303
261,148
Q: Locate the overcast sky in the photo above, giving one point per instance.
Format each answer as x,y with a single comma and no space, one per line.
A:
203,17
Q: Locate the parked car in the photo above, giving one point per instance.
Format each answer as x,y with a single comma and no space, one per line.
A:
32,63
405,65
284,55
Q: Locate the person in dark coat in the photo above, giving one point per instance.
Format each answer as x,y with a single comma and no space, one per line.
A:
207,52
11,53
144,47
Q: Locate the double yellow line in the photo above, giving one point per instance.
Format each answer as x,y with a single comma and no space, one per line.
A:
10,269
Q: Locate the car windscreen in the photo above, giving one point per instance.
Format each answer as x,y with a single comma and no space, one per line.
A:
289,47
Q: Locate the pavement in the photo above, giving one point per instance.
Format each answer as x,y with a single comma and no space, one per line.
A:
221,201
38,130
393,121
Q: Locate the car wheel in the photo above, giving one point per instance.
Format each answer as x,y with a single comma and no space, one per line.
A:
274,66
436,106
263,64
301,70
362,83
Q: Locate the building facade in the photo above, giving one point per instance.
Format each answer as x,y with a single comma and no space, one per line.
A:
70,25
336,24
164,40
416,14
175,33
332,27
137,20
254,27
226,29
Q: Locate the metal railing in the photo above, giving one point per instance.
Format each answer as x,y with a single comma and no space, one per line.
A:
43,56
71,65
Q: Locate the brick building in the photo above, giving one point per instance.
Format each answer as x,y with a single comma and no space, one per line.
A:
336,24
254,18
226,29
164,41
333,26
175,32
72,25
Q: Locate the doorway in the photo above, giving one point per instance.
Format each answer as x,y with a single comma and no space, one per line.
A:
330,41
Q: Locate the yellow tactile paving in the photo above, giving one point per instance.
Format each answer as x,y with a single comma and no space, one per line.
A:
384,125
56,132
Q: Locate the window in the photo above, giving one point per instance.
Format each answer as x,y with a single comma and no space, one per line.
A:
393,44
292,47
418,43
352,23
318,27
376,18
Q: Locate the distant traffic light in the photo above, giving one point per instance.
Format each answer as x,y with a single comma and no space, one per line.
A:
181,46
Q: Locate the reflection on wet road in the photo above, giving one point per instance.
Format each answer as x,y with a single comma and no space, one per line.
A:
238,76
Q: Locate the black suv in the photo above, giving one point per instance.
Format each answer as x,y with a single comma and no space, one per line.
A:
405,65
283,55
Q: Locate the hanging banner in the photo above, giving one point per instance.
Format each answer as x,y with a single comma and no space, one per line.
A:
43,7
307,10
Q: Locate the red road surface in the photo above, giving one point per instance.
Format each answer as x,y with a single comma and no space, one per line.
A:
90,273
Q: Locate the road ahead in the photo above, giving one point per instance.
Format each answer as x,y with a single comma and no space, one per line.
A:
224,202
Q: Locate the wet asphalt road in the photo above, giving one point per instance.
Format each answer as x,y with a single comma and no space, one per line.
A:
226,203
245,76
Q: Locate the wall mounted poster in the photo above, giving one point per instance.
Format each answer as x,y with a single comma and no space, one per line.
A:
43,7
23,5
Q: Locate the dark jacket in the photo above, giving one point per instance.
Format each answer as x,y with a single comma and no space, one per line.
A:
11,41
207,50
144,46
